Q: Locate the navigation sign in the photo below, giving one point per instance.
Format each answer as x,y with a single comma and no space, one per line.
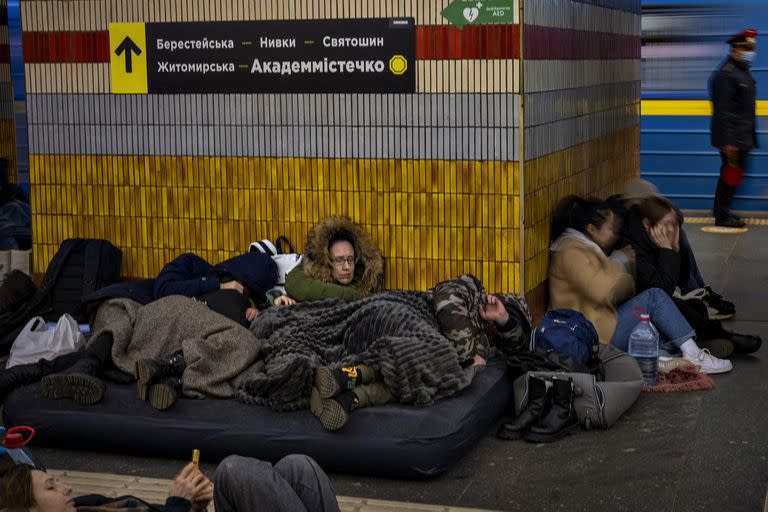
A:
128,47
301,56
128,58
461,12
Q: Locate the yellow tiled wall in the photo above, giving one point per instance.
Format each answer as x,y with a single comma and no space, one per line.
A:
431,219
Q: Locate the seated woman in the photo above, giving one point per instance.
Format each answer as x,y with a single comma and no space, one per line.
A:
653,229
296,482
340,261
583,278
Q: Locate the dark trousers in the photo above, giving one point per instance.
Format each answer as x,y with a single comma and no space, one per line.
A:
296,483
695,312
724,193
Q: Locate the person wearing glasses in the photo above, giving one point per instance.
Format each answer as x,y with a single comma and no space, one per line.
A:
340,261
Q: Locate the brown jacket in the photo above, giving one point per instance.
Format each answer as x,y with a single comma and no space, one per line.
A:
585,280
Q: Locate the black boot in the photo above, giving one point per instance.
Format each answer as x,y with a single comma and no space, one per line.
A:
333,412
332,381
18,376
745,343
149,371
79,382
164,394
538,402
561,418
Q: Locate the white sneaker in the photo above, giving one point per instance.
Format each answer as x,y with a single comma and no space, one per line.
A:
708,363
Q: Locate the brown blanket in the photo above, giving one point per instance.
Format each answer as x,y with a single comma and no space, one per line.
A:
220,353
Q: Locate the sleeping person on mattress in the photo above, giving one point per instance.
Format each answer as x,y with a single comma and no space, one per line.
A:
196,302
404,346
413,347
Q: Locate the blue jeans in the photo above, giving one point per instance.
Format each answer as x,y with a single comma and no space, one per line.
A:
695,280
673,329
295,483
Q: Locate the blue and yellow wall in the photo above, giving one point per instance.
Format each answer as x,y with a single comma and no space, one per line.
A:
683,43
459,177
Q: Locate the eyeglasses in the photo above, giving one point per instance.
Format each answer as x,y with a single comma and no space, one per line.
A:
341,260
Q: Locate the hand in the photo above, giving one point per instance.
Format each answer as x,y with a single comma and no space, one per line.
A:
494,311
675,238
659,237
190,483
251,313
629,251
233,285
284,300
203,499
479,360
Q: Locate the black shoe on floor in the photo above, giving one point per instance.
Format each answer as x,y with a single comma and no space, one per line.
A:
746,343
730,222
724,309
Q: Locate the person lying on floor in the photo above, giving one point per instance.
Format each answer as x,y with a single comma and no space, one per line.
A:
654,231
409,347
339,261
240,484
172,346
583,278
634,193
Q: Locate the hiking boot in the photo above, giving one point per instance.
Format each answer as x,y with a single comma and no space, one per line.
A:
18,376
560,420
149,371
333,412
332,381
746,343
730,222
717,307
718,347
708,363
78,382
163,394
538,401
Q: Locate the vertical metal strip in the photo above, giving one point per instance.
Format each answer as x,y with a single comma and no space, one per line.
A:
521,153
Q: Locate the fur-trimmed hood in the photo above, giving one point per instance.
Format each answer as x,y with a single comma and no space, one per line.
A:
317,263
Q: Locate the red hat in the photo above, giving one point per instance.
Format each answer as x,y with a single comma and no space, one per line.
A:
745,38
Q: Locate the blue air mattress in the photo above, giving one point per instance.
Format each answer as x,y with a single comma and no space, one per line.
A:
391,441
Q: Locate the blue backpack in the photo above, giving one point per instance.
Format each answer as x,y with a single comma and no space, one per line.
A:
569,333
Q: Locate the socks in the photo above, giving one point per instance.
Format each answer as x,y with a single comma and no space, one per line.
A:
690,348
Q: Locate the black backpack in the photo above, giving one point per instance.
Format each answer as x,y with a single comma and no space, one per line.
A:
80,267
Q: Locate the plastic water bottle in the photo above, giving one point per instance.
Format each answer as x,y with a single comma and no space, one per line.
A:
644,347
12,446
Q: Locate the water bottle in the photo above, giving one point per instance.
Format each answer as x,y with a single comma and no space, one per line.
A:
12,446
644,347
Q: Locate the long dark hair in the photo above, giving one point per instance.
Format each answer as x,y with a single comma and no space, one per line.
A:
16,488
577,213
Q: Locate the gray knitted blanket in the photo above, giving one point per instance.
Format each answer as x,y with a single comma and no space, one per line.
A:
395,332
220,354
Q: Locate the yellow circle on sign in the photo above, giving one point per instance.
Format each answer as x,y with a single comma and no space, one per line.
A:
398,65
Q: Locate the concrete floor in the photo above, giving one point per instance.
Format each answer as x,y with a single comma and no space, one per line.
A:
703,450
